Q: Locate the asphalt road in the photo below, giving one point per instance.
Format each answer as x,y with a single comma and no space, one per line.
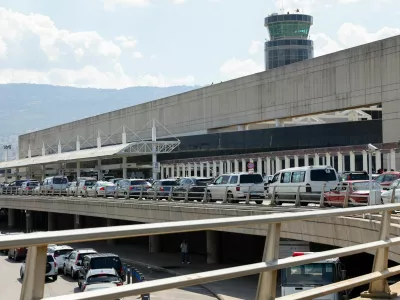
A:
10,286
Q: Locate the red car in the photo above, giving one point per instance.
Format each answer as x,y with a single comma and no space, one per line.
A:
387,178
358,194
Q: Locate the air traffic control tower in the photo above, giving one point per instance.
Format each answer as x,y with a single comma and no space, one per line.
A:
289,41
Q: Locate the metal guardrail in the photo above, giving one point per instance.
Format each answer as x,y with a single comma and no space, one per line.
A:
293,194
33,284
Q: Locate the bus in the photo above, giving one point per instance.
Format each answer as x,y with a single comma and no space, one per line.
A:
309,276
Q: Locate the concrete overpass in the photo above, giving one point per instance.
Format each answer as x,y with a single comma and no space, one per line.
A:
339,232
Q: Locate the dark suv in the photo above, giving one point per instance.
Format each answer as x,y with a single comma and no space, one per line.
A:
100,261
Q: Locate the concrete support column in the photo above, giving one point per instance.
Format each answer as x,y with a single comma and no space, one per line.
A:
172,171
183,171
189,170
296,161
213,247
162,169
340,162
77,223
111,222
11,218
378,160
208,173
214,170
244,167
29,221
50,221
287,162
201,169
306,160
221,168
78,169
99,173
259,166
228,166
392,159
316,159
278,164
328,159
236,166
352,161
195,169
154,244
269,166
365,160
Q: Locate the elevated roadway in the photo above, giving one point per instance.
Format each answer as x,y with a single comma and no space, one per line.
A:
338,231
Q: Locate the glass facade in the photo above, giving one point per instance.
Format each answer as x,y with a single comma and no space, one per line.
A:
289,40
280,56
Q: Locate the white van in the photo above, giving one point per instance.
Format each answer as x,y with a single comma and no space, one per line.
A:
311,180
55,183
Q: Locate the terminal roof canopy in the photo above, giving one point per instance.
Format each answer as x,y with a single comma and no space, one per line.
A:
130,149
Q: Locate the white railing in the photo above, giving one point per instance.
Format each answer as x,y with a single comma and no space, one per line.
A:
297,195
33,284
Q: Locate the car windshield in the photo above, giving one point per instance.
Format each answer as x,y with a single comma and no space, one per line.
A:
364,186
106,263
323,175
203,181
138,182
62,252
90,182
395,184
100,278
60,180
309,275
251,178
82,255
169,183
356,176
32,183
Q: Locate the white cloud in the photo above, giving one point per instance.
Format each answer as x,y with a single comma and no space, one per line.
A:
137,55
61,57
234,68
89,76
126,41
349,35
178,1
255,47
3,48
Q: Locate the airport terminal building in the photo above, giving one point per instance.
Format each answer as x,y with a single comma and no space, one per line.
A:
323,110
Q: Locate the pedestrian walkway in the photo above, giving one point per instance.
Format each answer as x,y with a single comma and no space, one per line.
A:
243,288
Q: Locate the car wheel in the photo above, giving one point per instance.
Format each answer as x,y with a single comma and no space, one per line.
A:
79,284
259,201
65,270
230,198
277,202
55,277
209,197
73,275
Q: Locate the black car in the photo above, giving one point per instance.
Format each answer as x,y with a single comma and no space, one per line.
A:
194,185
100,261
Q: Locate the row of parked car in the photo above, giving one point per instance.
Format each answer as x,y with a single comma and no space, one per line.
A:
93,270
309,181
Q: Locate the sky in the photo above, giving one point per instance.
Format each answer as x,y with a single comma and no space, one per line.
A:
122,43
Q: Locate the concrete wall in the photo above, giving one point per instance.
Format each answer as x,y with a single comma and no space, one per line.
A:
360,76
340,232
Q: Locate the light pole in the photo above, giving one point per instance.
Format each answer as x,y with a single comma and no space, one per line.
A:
371,150
6,147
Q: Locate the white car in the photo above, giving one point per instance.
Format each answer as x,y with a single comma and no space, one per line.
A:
100,188
51,268
236,186
59,253
71,188
100,286
101,277
387,194
73,262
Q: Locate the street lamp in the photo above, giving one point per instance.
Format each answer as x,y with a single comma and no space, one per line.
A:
371,150
7,147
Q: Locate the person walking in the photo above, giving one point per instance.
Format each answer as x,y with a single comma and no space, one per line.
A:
185,252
